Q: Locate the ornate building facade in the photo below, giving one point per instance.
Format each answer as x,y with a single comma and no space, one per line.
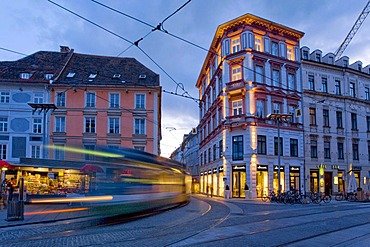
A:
249,79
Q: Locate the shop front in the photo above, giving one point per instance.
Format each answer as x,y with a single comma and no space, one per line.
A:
294,178
214,182
276,178
238,181
221,185
262,186
201,183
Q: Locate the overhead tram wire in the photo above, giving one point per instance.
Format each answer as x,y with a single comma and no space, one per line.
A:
160,28
111,32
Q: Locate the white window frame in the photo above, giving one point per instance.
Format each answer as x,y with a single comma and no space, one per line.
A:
113,125
38,98
114,99
4,97
258,44
236,73
37,126
140,101
235,45
3,151
35,151
3,124
237,107
276,107
139,126
90,99
61,99
90,125
290,52
60,124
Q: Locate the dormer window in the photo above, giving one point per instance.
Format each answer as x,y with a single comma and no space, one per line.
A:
345,63
359,67
305,55
116,75
48,76
92,76
25,76
71,75
318,57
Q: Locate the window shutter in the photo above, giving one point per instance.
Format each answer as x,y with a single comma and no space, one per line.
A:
226,47
266,44
283,49
250,40
297,54
244,41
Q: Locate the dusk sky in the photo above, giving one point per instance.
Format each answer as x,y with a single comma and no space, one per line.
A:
28,26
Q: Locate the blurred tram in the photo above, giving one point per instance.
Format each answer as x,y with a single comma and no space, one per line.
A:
123,181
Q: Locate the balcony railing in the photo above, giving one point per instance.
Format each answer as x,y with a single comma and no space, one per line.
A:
235,85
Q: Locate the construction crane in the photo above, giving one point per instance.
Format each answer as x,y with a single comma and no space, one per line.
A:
353,31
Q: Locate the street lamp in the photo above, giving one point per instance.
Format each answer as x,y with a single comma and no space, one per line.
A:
279,117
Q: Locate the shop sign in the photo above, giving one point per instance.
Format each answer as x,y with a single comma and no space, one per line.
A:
214,170
321,166
335,167
209,172
238,168
356,168
277,168
221,169
295,168
262,167
201,173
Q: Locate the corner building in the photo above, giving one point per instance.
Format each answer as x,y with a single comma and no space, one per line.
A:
252,70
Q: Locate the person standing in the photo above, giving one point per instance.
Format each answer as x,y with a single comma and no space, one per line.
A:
10,187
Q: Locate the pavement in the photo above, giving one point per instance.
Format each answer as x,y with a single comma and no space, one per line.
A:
53,212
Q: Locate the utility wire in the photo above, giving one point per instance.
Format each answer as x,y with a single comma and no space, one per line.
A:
111,32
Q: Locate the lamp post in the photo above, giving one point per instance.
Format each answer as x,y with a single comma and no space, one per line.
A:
279,117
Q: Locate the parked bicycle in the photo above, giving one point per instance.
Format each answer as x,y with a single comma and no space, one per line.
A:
350,196
319,197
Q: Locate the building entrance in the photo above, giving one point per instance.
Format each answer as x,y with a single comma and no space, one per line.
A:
239,180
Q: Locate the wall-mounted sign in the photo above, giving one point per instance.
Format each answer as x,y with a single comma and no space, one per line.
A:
221,169
238,168
214,170
321,166
335,167
262,167
356,168
294,168
277,168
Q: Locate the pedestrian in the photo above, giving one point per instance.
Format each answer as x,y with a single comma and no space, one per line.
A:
10,187
227,192
207,190
211,190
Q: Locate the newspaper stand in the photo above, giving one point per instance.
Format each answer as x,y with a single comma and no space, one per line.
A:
15,209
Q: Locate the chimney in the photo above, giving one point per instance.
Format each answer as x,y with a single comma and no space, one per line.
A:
64,49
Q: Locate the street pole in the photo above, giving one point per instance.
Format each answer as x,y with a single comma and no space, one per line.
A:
279,117
279,183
